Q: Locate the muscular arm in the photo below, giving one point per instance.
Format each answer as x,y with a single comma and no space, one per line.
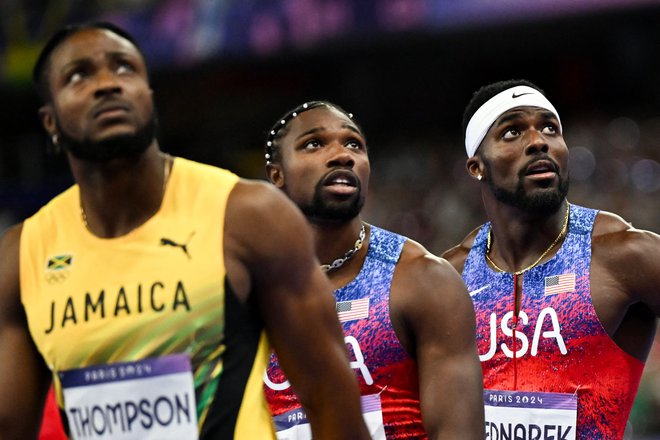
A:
24,377
436,324
632,257
625,281
270,255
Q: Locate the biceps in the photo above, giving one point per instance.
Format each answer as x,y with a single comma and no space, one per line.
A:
451,393
449,366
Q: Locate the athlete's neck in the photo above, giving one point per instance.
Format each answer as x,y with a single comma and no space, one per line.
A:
120,195
333,240
518,239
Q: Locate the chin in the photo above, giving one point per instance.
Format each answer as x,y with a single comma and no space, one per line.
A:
118,145
539,201
546,204
334,212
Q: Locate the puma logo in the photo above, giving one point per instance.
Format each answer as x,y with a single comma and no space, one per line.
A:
183,246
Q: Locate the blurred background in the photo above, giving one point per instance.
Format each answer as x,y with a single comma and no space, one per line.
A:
225,70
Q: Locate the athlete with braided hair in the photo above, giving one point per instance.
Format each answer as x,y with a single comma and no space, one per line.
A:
566,297
408,321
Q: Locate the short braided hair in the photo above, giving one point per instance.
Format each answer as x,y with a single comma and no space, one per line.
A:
281,127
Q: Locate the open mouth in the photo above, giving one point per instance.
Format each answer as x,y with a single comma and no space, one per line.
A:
541,169
341,182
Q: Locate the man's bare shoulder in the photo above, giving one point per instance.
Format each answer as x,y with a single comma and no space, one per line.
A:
250,196
608,223
613,232
9,272
420,272
415,259
617,241
9,247
11,237
620,250
257,207
458,254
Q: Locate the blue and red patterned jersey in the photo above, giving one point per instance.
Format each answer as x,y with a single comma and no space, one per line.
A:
560,345
386,373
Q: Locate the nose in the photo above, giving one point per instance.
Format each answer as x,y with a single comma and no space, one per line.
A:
106,83
340,156
536,142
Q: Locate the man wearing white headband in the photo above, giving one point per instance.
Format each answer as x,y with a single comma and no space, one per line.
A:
563,326
483,118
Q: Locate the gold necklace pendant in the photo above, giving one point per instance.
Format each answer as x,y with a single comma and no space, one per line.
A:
562,233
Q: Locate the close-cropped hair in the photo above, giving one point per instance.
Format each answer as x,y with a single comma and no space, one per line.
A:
42,66
281,127
481,96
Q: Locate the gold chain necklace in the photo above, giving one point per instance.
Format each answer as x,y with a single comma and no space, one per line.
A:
166,175
347,256
563,231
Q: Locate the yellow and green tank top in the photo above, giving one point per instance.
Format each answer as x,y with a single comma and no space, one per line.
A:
158,292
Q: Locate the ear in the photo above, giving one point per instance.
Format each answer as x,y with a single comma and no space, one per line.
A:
475,167
275,174
47,117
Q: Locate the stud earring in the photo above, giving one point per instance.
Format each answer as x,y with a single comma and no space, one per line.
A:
479,177
54,139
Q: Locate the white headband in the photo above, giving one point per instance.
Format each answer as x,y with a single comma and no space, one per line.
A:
483,118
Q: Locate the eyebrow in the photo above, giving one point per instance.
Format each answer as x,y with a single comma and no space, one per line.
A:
321,129
547,114
109,55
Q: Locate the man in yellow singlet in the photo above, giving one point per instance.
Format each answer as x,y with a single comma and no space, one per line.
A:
149,291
